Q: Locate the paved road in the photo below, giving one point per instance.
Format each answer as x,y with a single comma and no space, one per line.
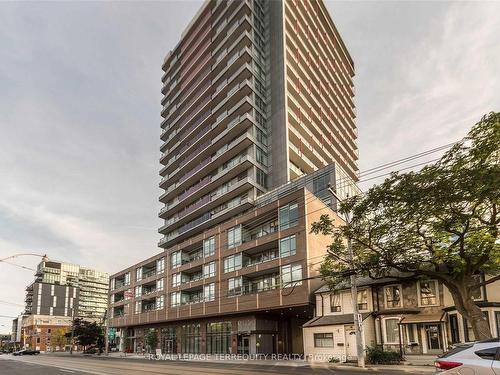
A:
79,365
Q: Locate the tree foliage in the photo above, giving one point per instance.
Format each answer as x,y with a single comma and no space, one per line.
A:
151,339
87,333
441,222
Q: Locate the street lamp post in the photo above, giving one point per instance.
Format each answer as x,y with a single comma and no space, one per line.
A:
358,320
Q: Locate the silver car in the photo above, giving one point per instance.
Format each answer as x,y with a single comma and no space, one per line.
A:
479,358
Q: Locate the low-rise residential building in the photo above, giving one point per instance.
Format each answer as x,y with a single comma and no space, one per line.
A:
413,317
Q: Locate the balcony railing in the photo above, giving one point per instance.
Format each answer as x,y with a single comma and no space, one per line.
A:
147,274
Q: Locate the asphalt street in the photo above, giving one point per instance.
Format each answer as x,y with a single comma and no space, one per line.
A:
79,365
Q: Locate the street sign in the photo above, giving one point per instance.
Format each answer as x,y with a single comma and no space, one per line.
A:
111,333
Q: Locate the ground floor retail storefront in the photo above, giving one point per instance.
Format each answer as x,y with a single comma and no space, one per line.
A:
254,334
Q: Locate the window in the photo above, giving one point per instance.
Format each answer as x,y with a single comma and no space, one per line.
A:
428,292
209,269
391,331
175,299
160,265
335,305
234,286
497,319
288,246
410,333
234,236
323,340
209,247
320,186
261,178
392,296
137,307
138,291
175,259
363,299
209,292
160,302
260,156
190,338
288,216
159,284
232,263
219,338
455,338
291,275
127,278
176,279
138,274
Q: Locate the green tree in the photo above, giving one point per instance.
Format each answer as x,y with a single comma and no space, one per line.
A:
86,333
441,222
58,338
151,339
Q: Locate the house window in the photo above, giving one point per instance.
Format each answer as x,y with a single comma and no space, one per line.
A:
127,278
159,284
455,338
209,269
363,299
410,333
234,236
175,299
232,263
137,307
497,319
209,247
288,246
234,286
391,331
428,292
138,274
176,279
323,340
209,292
392,296
291,275
289,216
335,305
260,156
175,259
468,332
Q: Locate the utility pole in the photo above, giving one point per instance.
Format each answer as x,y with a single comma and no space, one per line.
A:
106,333
72,330
358,320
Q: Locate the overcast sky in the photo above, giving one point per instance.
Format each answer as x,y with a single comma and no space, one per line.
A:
80,113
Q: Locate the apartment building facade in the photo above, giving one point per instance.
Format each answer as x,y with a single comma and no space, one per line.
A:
256,93
63,289
246,283
412,317
258,121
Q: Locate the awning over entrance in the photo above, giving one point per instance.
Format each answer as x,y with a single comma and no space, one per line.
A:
424,318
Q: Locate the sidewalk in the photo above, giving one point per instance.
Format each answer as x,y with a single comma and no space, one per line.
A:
412,366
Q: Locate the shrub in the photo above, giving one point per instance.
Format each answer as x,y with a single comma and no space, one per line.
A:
378,356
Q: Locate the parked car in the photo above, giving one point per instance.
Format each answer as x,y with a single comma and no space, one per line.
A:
27,352
479,358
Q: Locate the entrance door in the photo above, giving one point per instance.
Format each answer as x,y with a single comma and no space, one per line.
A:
433,333
243,344
350,343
